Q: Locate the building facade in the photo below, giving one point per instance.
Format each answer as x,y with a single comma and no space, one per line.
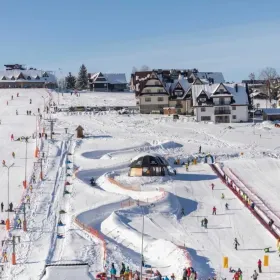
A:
17,76
107,82
220,103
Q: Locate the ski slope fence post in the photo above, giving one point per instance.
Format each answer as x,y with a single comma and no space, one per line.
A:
262,217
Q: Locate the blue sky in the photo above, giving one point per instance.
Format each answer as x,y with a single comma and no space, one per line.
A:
232,36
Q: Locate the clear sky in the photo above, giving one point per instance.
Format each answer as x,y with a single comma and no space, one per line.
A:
232,36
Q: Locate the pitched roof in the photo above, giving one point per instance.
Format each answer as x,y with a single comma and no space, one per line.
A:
32,73
217,76
240,96
271,111
115,78
112,78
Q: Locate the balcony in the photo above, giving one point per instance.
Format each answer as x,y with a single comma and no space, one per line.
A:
222,112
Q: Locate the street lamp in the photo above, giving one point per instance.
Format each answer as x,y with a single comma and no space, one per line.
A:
8,210
142,235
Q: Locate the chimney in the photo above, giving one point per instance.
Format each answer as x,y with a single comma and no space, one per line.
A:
236,87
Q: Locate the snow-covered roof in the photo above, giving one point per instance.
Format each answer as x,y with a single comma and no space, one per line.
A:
240,95
271,111
112,78
8,74
217,76
115,78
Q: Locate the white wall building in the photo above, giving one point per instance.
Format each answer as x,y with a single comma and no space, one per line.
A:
220,103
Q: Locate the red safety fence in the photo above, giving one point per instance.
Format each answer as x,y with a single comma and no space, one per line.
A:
257,212
95,233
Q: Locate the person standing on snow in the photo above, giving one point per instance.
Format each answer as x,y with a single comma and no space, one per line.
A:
12,137
16,112
17,94
214,212
223,196
3,163
255,275
182,212
187,167
205,222
260,266
5,256
13,154
12,97
226,205
212,185
199,150
113,272
123,269
236,243
30,101
2,206
18,223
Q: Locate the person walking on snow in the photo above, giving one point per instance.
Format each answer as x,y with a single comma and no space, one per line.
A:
226,205
212,185
27,199
13,154
12,97
199,150
17,94
3,162
236,243
214,212
260,266
30,101
12,137
255,275
2,206
223,196
7,102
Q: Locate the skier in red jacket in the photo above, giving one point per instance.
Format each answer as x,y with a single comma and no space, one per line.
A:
214,211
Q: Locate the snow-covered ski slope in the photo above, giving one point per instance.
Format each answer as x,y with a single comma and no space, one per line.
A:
171,241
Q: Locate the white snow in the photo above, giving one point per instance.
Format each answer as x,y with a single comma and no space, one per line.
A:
115,211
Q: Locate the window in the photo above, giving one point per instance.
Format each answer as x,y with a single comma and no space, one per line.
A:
160,99
203,109
234,117
234,108
37,77
147,90
45,75
221,91
28,78
4,78
13,78
205,118
202,99
148,99
159,90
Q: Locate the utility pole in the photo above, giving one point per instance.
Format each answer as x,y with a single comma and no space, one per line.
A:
8,224
13,243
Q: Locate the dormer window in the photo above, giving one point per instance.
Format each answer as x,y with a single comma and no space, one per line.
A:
4,78
13,78
28,78
37,77
45,75
203,99
20,77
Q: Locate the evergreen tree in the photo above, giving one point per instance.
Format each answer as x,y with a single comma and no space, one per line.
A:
82,80
70,81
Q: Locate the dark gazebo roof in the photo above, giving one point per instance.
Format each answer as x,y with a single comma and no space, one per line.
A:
148,160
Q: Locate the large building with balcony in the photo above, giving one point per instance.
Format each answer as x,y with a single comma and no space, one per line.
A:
18,76
220,103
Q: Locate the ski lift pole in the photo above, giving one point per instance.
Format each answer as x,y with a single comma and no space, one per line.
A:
14,249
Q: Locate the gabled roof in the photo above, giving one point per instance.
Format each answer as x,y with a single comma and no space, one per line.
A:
32,73
111,78
240,96
271,111
217,76
115,78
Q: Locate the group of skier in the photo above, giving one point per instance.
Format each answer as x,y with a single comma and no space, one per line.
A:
124,272
10,209
189,274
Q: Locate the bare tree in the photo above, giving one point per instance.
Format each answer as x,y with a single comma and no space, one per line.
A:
145,68
252,76
268,74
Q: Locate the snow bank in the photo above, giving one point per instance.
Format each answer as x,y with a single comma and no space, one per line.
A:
69,272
